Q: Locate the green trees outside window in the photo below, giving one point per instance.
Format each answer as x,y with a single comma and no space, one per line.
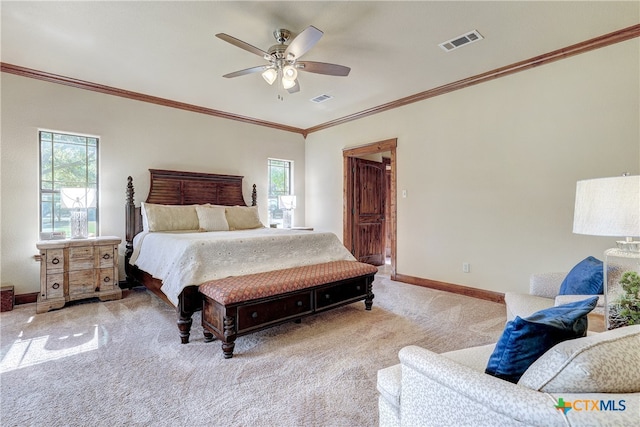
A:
280,184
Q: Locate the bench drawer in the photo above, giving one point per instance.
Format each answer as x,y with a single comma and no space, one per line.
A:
260,314
340,293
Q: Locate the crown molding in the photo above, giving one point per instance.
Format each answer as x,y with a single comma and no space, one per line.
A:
576,49
109,90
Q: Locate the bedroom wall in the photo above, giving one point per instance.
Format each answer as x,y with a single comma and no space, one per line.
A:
490,170
134,137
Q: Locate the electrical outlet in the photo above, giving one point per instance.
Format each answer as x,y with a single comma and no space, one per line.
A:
466,267
404,194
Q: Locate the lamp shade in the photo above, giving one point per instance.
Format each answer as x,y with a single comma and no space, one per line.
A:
289,72
78,197
270,75
287,202
288,84
608,207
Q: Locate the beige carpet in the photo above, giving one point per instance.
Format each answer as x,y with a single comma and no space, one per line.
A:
121,363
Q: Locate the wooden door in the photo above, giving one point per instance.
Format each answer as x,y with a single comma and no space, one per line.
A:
387,206
368,211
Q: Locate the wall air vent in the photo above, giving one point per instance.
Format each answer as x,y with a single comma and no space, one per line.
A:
460,41
321,98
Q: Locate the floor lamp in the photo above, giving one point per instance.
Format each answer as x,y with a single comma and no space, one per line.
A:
611,207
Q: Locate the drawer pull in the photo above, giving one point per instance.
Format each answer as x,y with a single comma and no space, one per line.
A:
106,279
358,288
55,285
106,256
254,315
299,303
55,261
327,296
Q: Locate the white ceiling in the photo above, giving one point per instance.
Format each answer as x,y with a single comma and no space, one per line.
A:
169,49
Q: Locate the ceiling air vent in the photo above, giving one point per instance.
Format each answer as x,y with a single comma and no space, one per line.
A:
460,41
321,98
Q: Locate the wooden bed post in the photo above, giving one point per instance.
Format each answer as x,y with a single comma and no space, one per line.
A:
254,196
130,221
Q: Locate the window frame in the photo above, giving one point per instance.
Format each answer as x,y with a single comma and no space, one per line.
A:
53,188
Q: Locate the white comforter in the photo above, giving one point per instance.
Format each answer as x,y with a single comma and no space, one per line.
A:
184,259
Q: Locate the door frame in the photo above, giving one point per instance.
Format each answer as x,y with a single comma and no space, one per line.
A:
374,148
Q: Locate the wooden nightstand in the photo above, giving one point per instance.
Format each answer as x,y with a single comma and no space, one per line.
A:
77,269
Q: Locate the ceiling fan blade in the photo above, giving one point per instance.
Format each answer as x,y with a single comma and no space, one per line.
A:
242,45
303,42
294,89
323,68
257,69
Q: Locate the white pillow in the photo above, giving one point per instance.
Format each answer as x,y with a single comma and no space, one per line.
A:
243,217
212,218
600,363
169,217
145,222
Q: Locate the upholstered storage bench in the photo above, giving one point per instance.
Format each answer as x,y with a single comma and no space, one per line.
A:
239,305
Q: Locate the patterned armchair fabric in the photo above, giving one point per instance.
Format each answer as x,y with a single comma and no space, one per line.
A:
451,389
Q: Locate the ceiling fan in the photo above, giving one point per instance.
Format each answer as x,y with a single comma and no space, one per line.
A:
284,59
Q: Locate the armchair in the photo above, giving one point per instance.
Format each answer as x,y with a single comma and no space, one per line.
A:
429,389
543,293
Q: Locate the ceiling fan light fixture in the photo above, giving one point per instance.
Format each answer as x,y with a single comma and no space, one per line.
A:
282,58
288,84
270,75
289,72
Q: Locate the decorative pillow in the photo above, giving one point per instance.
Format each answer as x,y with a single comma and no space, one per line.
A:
525,340
212,218
170,217
600,363
585,278
243,217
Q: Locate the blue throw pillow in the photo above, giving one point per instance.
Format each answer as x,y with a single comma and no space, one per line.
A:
525,340
584,279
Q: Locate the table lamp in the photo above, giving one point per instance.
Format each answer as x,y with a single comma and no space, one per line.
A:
287,203
78,200
611,207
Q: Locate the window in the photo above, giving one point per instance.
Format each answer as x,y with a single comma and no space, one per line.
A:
280,184
68,166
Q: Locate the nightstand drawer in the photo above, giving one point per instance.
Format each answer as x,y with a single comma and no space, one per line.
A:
55,260
82,282
55,285
107,278
105,256
81,258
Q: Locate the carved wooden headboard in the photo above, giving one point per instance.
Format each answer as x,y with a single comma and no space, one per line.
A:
183,188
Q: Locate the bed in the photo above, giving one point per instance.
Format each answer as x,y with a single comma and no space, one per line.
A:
172,263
